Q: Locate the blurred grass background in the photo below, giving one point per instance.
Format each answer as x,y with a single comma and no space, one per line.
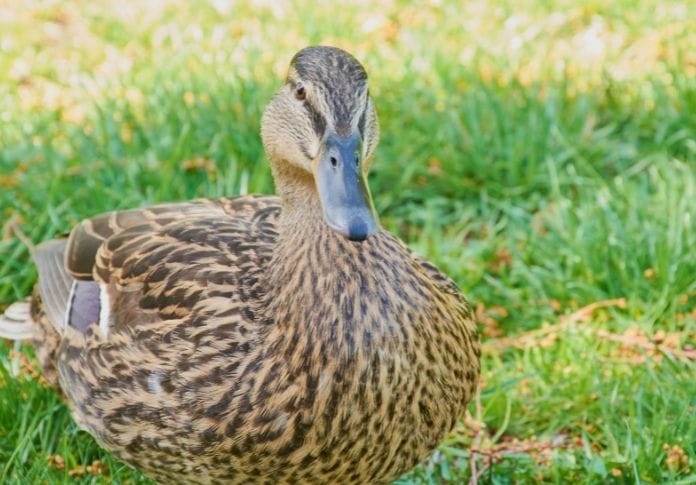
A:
541,153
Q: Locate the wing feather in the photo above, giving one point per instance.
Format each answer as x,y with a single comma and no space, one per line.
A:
122,251
55,282
88,236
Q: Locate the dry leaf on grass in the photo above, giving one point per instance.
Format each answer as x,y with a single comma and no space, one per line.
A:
200,164
96,468
488,317
501,260
677,459
56,461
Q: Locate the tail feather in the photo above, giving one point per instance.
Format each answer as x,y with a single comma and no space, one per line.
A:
16,323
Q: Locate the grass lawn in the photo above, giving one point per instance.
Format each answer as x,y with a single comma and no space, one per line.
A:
542,153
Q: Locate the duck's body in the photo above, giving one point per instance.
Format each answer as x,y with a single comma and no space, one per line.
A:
246,340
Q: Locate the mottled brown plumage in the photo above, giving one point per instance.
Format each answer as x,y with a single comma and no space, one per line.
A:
262,339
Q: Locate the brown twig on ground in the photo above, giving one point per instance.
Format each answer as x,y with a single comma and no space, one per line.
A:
501,449
687,354
532,337
496,452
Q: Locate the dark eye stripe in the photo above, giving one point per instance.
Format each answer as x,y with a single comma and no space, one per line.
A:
362,120
305,151
318,121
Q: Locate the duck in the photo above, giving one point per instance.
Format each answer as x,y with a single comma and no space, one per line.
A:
260,339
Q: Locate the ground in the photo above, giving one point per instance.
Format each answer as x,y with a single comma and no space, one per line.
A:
542,154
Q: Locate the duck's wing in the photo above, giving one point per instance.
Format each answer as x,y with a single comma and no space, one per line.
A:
123,258
89,236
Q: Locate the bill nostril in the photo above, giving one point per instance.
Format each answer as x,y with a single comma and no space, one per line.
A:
334,162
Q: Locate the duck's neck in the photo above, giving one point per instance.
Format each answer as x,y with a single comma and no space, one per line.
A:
299,199
319,279
307,250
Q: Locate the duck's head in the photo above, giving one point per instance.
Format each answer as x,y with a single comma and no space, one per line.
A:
321,128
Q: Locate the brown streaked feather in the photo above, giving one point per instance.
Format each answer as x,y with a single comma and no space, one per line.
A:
88,236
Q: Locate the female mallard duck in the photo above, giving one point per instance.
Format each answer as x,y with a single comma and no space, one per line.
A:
260,339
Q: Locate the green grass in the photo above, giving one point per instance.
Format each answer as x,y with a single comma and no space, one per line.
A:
543,154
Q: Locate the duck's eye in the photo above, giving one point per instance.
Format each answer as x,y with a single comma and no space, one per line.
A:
300,93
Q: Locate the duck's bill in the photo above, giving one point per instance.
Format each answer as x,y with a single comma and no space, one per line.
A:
343,189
